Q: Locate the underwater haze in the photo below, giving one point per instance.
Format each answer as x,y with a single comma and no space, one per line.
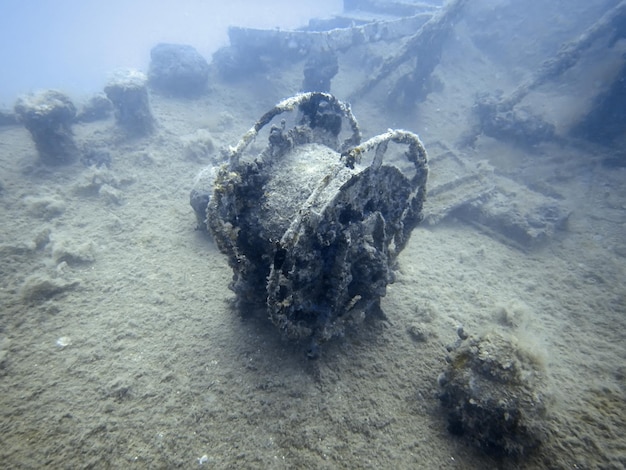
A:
394,238
74,45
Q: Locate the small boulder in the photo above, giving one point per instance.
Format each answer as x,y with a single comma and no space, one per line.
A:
97,108
178,69
494,393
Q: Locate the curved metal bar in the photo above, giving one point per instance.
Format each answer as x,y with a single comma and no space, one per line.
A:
289,105
416,153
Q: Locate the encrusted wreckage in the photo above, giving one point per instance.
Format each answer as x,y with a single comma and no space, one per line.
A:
311,227
422,26
500,116
48,116
494,394
466,191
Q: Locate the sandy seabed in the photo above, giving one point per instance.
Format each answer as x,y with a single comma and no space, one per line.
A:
120,346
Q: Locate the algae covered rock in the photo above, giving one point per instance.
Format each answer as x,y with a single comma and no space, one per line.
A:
178,69
493,394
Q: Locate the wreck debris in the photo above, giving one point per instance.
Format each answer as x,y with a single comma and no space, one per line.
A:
312,231
497,115
568,55
424,48
128,92
252,50
518,125
387,7
48,116
502,208
300,43
604,123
